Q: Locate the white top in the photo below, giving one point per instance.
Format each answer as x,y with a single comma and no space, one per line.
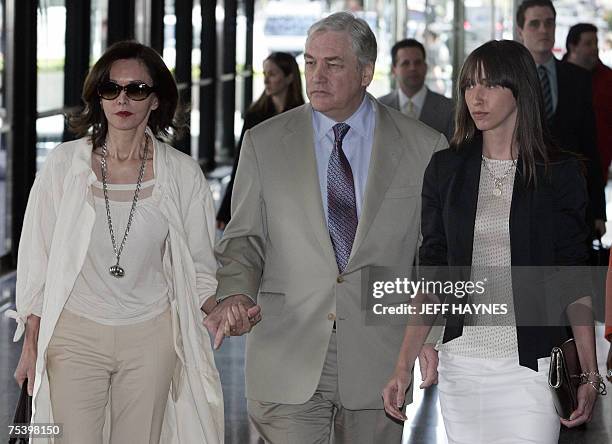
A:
491,336
55,238
142,294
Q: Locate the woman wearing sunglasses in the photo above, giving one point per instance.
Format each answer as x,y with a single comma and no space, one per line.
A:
115,263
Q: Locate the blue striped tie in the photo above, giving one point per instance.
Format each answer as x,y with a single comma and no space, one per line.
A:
341,202
546,92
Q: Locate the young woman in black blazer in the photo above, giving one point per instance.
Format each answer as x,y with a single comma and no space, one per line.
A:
504,207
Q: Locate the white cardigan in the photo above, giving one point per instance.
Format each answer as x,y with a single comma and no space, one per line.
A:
54,241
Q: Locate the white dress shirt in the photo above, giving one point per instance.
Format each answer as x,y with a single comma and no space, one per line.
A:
418,101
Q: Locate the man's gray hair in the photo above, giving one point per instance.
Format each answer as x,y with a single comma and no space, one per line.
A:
361,36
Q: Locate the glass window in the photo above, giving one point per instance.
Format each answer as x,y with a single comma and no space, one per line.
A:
99,29
431,23
487,20
169,53
51,52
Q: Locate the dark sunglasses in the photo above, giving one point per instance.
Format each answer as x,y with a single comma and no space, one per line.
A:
134,91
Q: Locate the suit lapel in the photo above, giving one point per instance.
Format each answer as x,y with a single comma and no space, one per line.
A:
395,103
427,110
384,160
563,84
299,149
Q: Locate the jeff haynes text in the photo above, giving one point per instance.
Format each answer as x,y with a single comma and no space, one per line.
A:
434,309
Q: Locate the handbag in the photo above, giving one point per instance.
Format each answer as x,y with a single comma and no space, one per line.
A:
23,414
564,378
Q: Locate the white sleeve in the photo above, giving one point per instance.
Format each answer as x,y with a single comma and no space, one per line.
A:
34,248
200,230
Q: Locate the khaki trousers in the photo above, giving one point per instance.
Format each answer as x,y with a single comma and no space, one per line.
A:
88,363
323,419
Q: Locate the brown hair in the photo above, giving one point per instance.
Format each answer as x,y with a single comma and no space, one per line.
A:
507,64
161,120
287,64
526,4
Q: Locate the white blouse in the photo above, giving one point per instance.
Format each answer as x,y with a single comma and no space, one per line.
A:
140,295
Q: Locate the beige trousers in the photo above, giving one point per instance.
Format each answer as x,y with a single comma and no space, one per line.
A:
91,365
323,419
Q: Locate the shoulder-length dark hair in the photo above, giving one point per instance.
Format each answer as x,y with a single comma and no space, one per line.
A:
287,64
161,120
507,64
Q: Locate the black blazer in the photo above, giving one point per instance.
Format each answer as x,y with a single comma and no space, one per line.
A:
251,118
573,129
547,228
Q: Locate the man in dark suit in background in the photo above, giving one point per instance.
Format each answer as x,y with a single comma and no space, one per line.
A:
412,97
567,100
583,51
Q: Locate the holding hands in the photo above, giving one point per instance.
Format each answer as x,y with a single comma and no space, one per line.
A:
234,316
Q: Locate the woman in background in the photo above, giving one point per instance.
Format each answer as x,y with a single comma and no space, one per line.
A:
283,91
502,206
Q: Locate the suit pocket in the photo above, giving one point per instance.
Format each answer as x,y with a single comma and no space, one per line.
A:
272,303
403,192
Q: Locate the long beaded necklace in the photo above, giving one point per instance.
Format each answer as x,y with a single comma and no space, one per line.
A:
116,270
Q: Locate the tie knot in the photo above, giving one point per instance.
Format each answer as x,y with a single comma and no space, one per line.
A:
542,71
340,130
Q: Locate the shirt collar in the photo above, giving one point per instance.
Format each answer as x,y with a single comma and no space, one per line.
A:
549,65
418,99
358,121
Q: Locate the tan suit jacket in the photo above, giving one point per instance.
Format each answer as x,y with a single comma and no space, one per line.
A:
277,250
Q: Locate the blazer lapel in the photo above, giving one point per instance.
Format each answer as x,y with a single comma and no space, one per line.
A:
299,149
383,162
520,217
463,204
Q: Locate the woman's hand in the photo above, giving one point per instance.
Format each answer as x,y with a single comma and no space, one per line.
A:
587,396
26,368
394,393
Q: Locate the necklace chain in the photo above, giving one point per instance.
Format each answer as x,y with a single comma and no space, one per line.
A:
498,181
116,270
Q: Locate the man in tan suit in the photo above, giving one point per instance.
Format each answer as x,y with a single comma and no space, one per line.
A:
322,193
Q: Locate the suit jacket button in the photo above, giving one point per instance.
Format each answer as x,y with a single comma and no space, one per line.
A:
339,279
331,317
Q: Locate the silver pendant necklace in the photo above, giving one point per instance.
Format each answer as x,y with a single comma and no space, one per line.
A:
116,270
498,182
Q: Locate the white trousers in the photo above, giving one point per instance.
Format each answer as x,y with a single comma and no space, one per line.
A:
496,401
